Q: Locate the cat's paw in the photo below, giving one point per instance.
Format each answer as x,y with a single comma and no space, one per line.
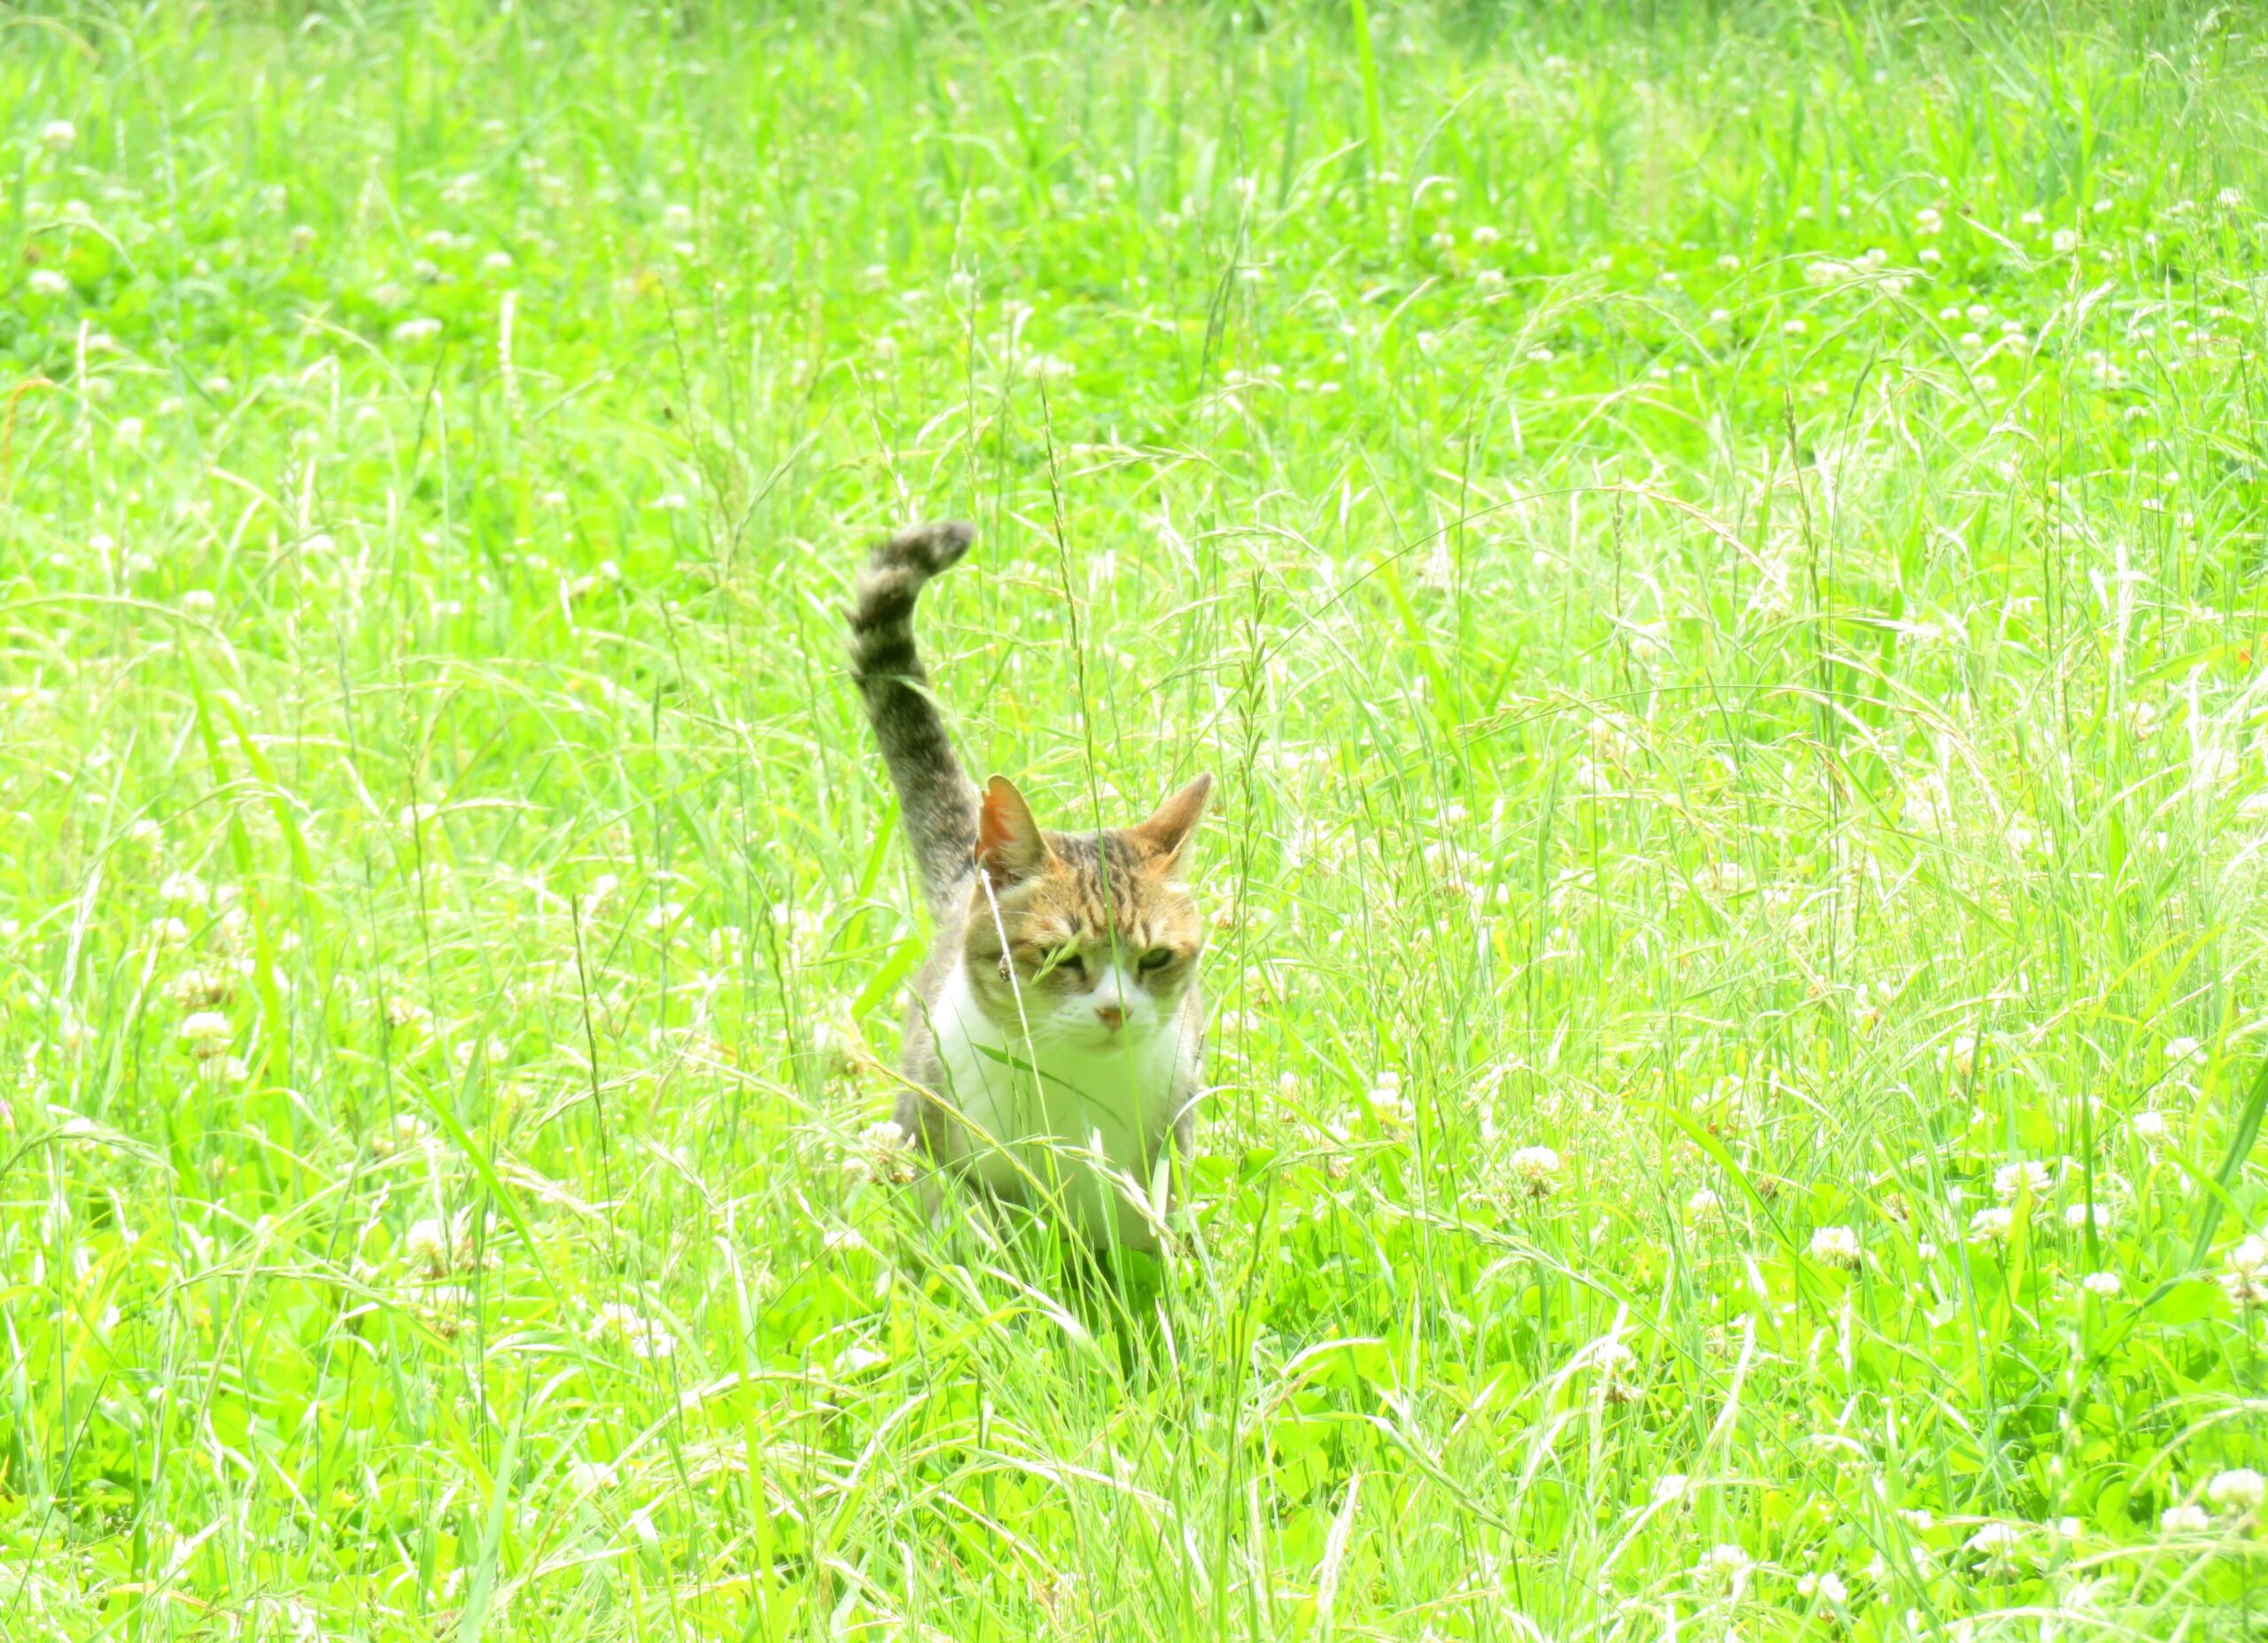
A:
928,548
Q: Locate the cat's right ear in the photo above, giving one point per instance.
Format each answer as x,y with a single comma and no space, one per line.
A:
1171,827
1008,842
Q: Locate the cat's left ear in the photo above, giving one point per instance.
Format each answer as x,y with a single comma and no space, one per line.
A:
1009,844
1173,824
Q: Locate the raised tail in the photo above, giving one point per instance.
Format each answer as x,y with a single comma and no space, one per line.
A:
937,798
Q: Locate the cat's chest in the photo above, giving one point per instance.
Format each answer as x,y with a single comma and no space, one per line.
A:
1042,1119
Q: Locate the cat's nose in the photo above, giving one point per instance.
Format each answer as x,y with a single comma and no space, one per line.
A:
1112,1016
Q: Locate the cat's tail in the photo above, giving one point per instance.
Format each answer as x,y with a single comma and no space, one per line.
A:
937,798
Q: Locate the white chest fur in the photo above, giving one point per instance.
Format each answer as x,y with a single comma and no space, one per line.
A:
1072,1124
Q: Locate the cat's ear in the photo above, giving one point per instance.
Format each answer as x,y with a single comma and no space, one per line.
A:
1173,824
1008,842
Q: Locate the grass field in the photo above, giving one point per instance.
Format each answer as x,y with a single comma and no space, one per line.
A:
1719,555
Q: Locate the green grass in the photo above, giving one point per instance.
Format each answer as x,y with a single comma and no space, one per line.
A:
1717,555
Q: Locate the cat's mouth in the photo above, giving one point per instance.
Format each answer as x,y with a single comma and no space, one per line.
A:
1090,1033
1126,1036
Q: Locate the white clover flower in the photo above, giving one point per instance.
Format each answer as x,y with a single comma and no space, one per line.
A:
1726,1566
1387,1104
646,1337
1960,1055
1928,221
884,1154
2229,199
588,1478
48,282
1998,1544
2239,1491
58,135
407,1130
2184,1520
201,989
427,1243
1610,741
1837,1246
2247,1278
676,218
206,1034
411,332
2065,241
2149,1125
2103,1285
1704,1207
2178,1051
2010,1179
2077,1216
1591,780
1828,1585
1536,1170
1723,878
407,1015
1672,1487
1992,1225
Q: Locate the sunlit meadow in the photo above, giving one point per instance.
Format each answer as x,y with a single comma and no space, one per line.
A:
1716,552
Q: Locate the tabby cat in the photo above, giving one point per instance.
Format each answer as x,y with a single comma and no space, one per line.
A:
1054,1043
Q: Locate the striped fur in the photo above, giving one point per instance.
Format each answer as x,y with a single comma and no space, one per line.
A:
935,793
1054,1038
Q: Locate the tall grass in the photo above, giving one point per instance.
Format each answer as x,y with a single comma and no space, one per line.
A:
1715,551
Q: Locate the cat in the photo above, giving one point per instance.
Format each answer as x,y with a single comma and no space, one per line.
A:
1054,1039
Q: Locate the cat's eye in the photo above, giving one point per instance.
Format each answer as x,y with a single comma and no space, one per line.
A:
1157,958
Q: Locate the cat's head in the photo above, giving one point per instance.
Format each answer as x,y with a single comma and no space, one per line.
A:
1102,935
